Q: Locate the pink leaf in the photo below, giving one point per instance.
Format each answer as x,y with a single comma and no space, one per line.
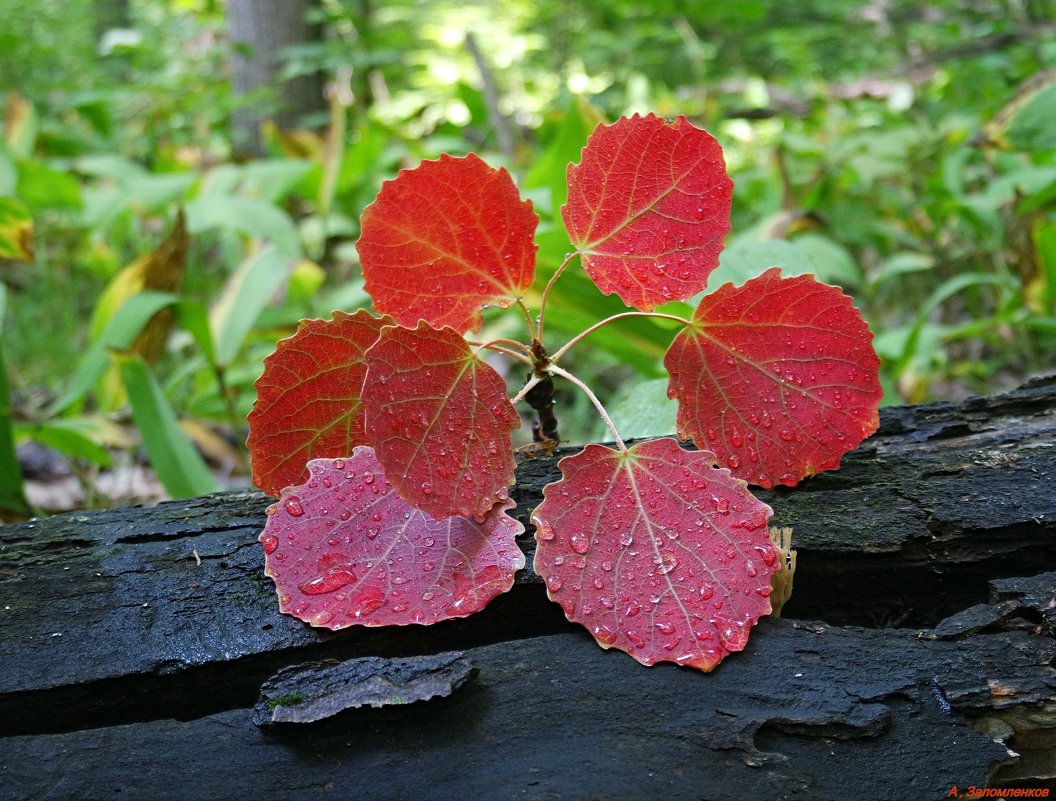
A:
445,240
648,209
439,420
656,552
308,398
345,550
777,377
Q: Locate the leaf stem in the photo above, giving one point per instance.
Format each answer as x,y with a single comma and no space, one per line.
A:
497,346
593,399
531,382
546,292
614,317
534,327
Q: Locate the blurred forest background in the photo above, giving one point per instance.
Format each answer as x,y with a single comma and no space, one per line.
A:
181,181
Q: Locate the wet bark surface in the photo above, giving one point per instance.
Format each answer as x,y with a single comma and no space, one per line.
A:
917,651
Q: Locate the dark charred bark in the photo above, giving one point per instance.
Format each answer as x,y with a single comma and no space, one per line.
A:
135,643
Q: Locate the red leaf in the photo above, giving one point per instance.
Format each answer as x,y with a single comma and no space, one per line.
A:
344,550
308,398
777,377
439,420
445,240
657,552
648,208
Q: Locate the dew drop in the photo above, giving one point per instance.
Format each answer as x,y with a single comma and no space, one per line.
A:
626,539
293,506
270,543
666,564
330,581
733,463
368,478
339,464
707,592
606,566
635,639
580,543
271,510
632,610
546,534
665,627
554,583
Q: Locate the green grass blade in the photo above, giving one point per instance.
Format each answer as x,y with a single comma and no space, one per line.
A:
177,464
119,333
12,496
245,295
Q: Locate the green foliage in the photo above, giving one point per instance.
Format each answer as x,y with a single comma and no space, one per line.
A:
918,171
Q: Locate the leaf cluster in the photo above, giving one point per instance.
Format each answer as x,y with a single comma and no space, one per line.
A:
387,438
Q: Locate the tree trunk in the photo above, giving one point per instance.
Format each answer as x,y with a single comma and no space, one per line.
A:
917,653
259,31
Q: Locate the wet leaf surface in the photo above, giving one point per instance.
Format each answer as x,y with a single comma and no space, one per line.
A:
656,552
777,377
308,398
344,549
439,419
445,240
648,208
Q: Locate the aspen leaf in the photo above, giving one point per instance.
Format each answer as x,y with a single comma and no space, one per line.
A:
445,240
648,209
344,549
308,398
439,420
656,551
777,377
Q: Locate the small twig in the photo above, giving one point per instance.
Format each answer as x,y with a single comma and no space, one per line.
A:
531,382
546,293
593,399
606,321
504,351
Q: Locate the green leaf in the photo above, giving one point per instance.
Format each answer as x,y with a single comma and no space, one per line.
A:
65,439
1033,127
177,464
744,260
256,218
12,497
549,169
40,187
900,264
119,333
644,410
832,261
16,230
246,294
194,319
273,179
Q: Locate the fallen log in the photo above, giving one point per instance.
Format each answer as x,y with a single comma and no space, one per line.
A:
916,652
